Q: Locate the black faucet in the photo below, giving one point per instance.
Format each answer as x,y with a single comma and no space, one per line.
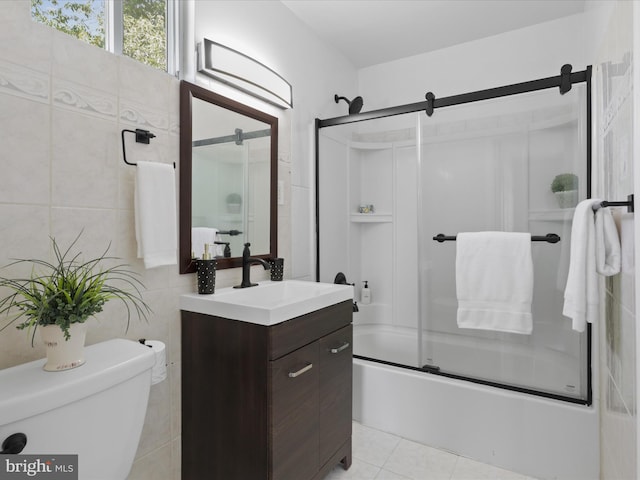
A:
227,248
247,261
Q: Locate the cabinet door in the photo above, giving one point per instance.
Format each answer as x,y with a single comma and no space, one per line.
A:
294,409
336,365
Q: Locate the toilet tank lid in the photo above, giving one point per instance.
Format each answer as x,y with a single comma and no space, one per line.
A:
27,390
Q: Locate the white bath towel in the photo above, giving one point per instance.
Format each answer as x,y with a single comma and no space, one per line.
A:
202,235
607,244
581,291
494,281
155,214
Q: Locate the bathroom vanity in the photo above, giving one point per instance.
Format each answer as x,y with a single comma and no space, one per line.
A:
267,396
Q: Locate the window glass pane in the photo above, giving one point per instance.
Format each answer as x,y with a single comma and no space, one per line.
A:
83,19
145,35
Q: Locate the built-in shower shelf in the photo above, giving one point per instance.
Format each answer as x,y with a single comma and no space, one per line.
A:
557,214
371,145
371,218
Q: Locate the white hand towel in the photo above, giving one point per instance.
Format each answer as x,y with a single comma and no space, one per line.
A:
627,243
155,214
581,291
607,244
494,281
202,235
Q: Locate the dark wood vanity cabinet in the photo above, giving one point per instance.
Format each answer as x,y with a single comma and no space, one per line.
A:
266,402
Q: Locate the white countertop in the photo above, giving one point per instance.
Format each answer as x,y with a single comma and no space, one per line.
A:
269,303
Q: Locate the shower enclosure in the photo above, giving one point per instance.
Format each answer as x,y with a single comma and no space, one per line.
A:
391,180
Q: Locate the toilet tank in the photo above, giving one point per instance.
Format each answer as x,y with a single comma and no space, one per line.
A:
95,411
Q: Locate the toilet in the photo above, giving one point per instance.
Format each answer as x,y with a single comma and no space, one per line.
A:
95,411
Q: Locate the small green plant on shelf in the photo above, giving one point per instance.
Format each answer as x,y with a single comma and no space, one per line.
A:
565,189
564,182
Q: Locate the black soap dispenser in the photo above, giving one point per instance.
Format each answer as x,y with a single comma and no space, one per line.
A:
206,272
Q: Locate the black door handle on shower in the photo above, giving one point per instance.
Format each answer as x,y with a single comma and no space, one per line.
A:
14,444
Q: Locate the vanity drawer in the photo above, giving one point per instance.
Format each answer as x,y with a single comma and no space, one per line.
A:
335,356
288,336
294,413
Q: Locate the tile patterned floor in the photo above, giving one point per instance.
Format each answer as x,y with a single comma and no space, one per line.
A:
381,456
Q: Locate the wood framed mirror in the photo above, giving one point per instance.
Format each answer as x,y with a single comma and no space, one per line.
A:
228,179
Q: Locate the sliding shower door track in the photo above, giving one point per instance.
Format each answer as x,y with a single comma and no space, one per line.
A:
434,370
479,95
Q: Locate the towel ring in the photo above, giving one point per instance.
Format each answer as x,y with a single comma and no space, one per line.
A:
142,136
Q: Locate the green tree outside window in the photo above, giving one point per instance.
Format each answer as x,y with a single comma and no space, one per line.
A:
144,25
145,34
83,20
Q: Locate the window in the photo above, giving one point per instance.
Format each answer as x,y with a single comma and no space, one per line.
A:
81,19
144,31
136,28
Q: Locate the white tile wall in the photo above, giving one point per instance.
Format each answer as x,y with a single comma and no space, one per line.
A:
63,105
25,127
614,113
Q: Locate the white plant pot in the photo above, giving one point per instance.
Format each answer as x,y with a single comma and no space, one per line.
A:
63,354
567,199
234,207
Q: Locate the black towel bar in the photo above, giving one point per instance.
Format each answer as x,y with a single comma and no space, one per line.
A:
628,203
549,238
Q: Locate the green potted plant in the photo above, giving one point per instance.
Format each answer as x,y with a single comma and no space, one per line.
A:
565,188
234,203
59,296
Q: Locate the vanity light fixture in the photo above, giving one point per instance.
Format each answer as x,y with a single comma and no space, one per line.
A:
244,73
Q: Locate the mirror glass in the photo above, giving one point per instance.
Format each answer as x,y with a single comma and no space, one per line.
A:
228,174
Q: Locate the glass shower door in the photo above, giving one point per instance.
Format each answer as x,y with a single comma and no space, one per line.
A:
488,166
368,230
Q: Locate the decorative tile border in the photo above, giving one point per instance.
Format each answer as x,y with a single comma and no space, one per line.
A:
142,117
24,82
86,100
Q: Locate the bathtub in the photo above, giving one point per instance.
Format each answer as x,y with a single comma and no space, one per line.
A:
535,436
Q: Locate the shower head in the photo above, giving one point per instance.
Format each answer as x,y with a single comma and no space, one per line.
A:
355,105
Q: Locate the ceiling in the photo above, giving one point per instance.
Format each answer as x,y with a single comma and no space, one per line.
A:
369,32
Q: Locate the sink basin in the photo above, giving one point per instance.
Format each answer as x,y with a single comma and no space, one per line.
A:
268,303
